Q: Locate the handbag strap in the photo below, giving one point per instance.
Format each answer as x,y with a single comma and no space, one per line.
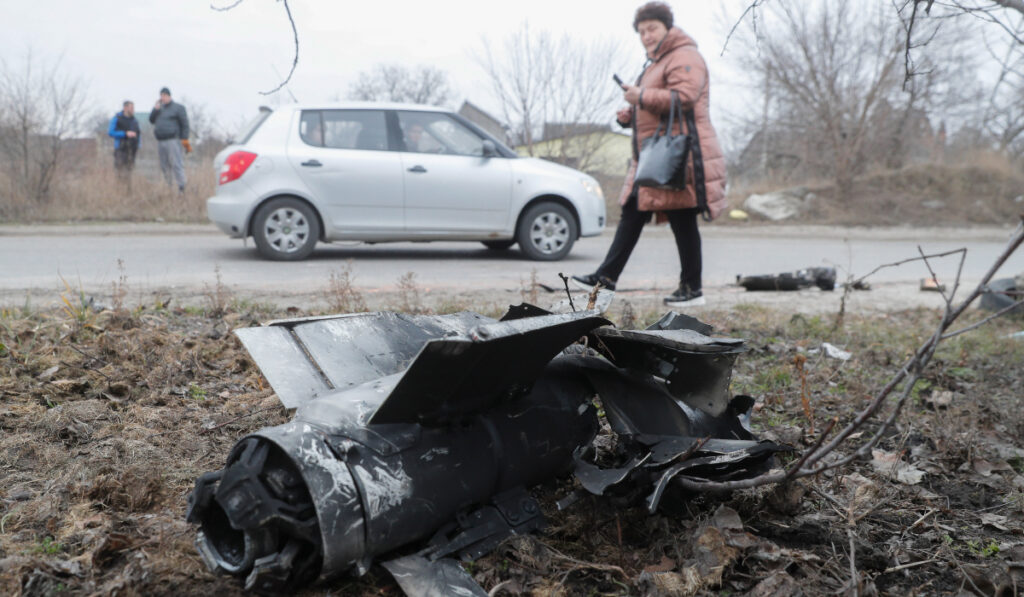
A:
674,110
699,187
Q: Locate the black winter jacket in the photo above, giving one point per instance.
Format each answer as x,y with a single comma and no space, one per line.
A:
170,122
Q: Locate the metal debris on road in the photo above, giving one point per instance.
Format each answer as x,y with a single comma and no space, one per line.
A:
822,277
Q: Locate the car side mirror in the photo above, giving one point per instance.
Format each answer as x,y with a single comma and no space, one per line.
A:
490,150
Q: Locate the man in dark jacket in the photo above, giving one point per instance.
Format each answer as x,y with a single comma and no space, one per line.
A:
170,125
124,129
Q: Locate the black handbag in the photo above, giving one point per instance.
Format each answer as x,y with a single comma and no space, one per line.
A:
663,156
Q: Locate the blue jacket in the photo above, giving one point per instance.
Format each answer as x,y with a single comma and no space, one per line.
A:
121,124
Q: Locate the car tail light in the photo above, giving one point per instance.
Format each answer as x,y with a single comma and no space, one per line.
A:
236,165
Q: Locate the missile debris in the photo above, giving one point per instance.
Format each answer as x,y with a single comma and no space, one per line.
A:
416,439
822,277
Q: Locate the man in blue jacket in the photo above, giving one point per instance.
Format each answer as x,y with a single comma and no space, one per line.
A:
124,129
170,125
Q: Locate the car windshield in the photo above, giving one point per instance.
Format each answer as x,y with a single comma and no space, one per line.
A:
250,127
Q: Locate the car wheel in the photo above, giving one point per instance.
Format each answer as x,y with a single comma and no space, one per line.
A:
285,229
498,245
546,232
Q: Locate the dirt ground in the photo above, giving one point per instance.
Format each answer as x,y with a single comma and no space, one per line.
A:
107,417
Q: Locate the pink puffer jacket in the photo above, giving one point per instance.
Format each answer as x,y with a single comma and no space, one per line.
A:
678,66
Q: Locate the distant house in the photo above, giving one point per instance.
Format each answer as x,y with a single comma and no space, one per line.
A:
592,148
482,119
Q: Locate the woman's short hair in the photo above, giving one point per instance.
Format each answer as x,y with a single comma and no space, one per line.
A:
653,11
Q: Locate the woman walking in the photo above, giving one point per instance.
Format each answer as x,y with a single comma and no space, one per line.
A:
673,65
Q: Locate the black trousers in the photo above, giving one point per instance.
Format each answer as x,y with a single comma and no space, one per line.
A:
631,224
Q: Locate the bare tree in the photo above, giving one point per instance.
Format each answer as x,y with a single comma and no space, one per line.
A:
828,68
40,108
396,83
540,79
1002,118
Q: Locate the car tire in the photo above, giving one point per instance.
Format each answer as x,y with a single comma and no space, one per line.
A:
285,229
498,245
546,232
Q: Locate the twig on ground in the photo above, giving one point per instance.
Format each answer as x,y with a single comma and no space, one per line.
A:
229,421
87,355
817,444
854,576
565,280
977,325
908,375
909,565
935,277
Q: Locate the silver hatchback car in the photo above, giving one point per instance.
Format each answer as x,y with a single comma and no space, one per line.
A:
394,172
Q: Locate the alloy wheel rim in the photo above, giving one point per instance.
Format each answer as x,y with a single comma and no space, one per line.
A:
549,232
287,230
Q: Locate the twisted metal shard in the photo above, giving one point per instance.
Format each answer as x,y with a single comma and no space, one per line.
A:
416,438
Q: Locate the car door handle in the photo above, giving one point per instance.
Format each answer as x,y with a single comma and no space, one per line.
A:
312,163
418,169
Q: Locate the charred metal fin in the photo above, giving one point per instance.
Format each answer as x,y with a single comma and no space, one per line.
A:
523,310
460,376
596,480
680,321
420,577
308,357
696,368
634,404
477,532
731,464
294,377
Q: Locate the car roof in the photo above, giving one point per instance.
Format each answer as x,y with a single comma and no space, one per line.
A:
362,106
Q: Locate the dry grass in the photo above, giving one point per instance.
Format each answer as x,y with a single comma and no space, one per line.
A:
979,188
92,192
342,294
103,429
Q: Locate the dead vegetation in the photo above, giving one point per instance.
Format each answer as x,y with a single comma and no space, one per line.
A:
107,417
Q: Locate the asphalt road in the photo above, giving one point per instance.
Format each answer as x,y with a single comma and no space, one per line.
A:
187,259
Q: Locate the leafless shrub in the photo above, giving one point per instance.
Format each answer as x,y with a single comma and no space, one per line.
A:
218,297
529,290
41,108
342,295
628,319
409,300
119,288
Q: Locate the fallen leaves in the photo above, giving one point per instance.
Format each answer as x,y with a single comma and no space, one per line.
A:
891,466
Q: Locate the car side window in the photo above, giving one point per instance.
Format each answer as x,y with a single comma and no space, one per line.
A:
355,129
311,128
436,132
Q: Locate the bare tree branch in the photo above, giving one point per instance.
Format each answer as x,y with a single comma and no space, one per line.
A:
422,84
295,38
812,463
226,8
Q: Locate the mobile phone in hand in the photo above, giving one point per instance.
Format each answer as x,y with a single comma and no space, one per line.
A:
618,80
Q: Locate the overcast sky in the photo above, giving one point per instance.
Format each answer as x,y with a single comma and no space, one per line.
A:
129,49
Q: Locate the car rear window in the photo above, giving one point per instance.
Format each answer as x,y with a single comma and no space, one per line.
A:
344,129
252,125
